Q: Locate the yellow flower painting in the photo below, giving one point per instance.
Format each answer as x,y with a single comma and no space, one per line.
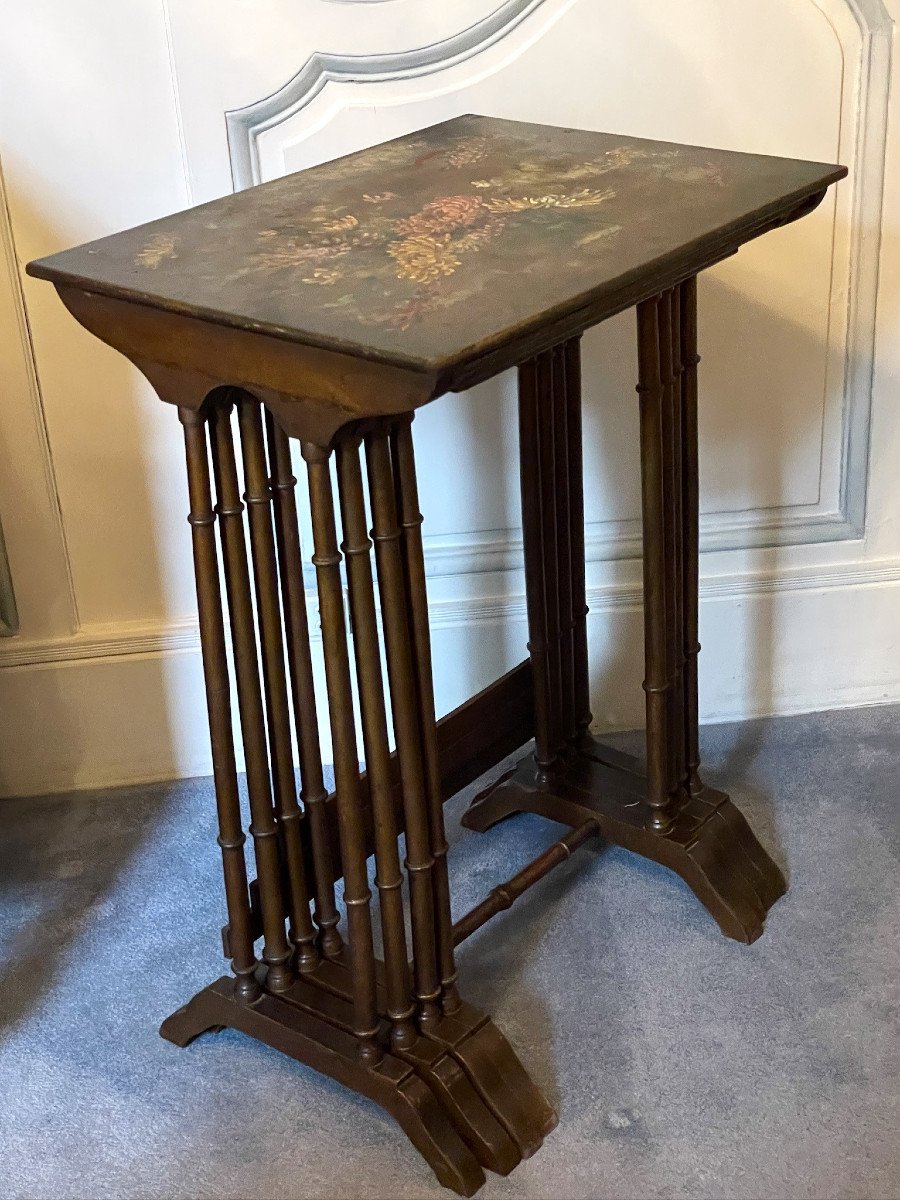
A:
160,247
442,217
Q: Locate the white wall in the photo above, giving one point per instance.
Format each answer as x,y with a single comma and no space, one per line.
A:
112,114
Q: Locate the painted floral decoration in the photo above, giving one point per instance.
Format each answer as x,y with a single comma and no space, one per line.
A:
458,213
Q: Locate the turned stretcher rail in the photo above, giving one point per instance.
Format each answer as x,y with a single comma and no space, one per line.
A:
506,894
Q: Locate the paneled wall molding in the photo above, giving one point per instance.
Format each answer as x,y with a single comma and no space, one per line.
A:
871,15
867,173
767,526
156,638
9,616
609,541
9,264
245,125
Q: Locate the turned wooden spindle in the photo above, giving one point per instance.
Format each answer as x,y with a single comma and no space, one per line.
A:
538,646
547,486
389,878
258,497
215,671
656,680
474,1120
691,525
680,748
564,562
575,470
357,896
407,491
671,534
303,694
386,534
263,825
504,896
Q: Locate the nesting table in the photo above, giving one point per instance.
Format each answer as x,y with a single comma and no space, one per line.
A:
327,307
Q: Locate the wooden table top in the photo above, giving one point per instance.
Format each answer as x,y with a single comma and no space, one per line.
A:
450,244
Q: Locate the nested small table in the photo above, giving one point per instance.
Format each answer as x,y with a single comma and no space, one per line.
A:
327,307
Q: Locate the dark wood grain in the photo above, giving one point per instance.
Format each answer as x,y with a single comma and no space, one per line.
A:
664,812
446,257
328,994
504,895
399,651
306,722
258,497
323,1045
409,233
538,640
679,453
480,1049
691,522
708,842
549,489
652,394
671,541
215,670
411,519
353,848
473,1119
470,740
263,823
565,572
575,471
389,879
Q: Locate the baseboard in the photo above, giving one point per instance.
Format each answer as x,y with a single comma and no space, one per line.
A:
121,705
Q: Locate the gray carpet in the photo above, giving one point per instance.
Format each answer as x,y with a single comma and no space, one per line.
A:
682,1064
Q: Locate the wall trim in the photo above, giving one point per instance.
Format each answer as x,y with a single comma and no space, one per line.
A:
145,638
609,540
9,614
9,617
245,125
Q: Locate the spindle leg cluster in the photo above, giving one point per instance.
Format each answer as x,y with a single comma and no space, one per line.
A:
398,1031
660,809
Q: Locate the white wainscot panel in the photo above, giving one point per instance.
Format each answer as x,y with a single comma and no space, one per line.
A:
786,326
